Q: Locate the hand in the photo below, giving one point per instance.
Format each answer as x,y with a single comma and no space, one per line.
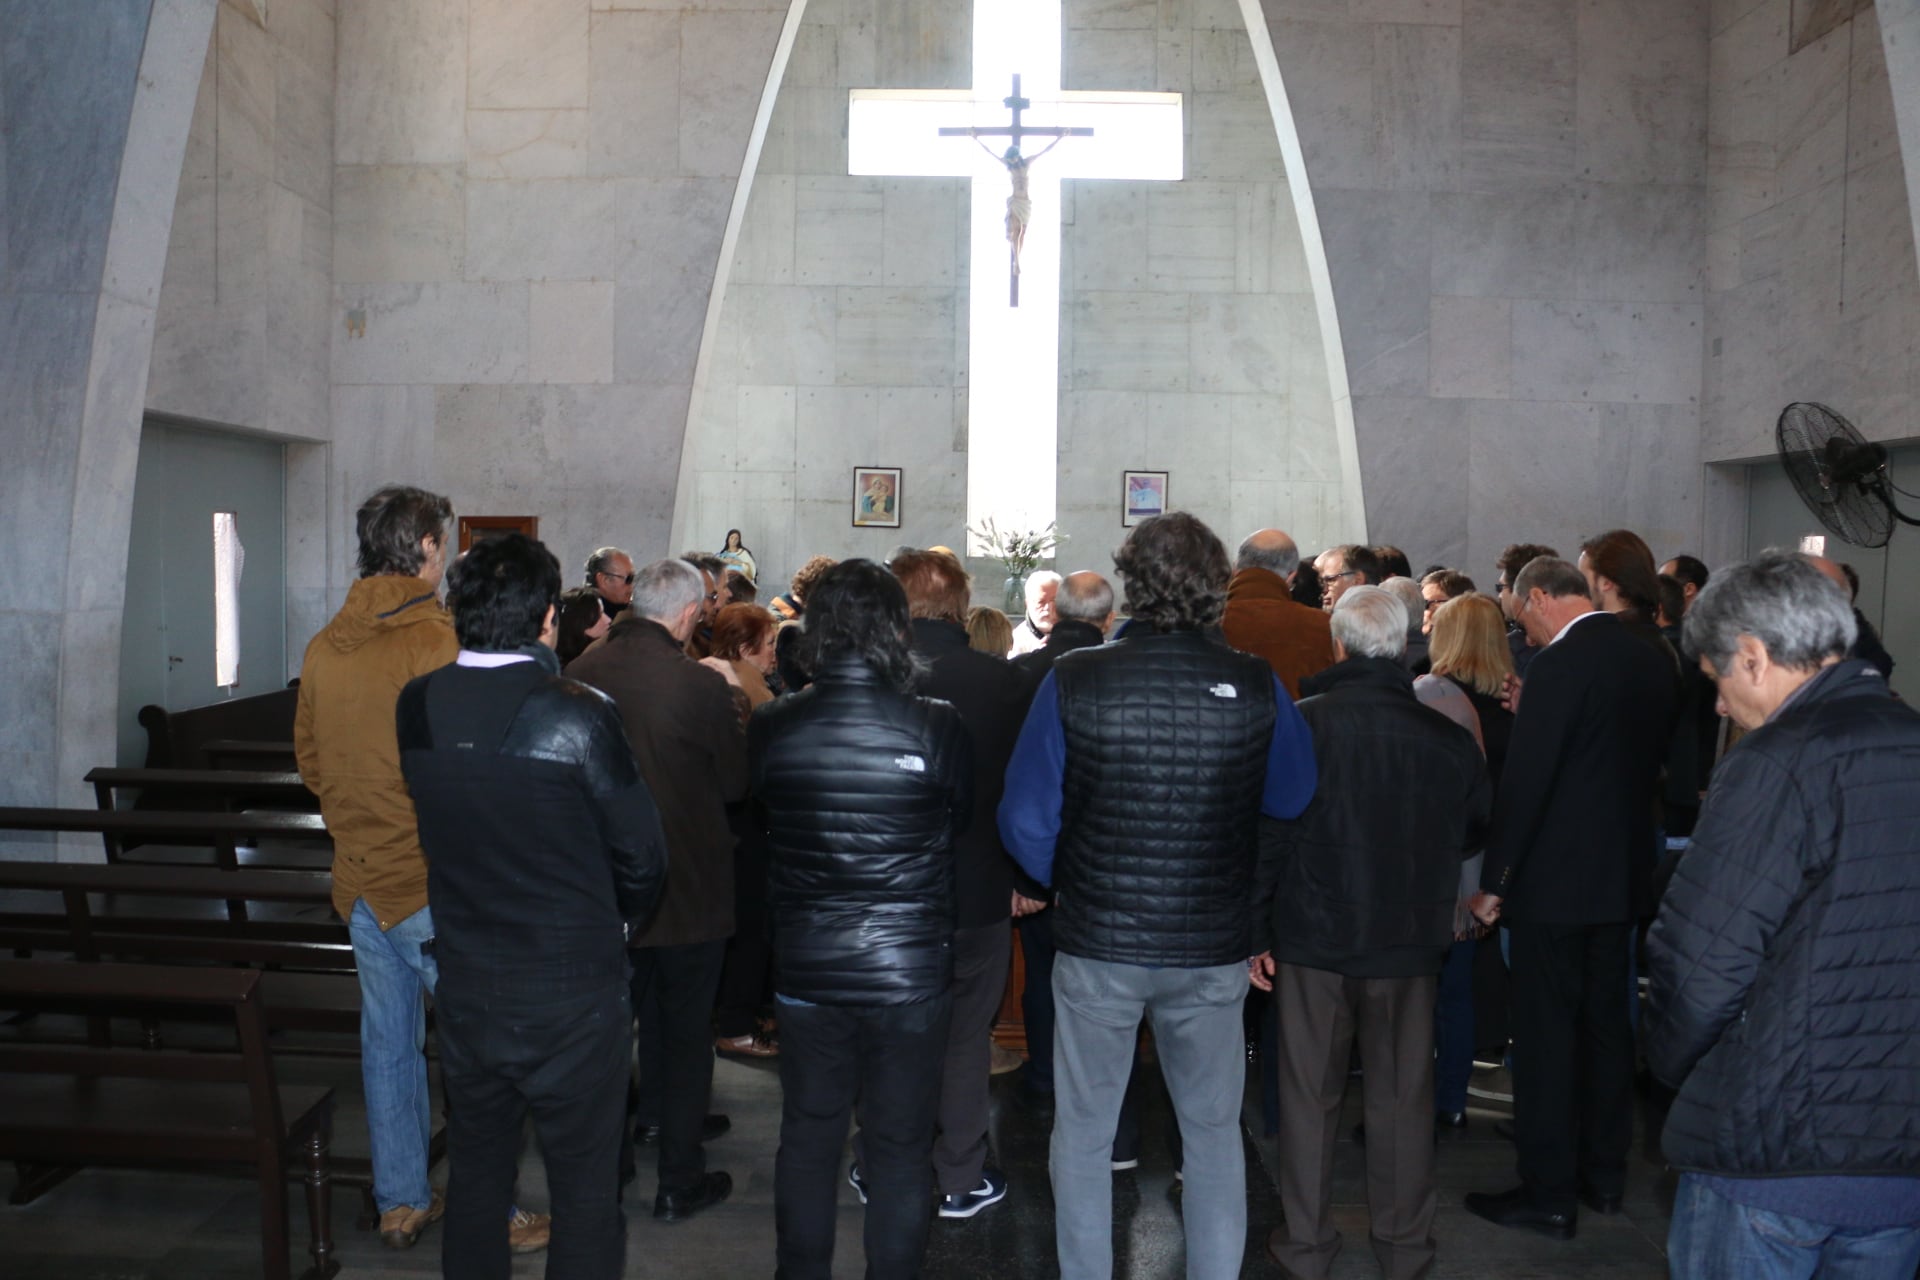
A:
1510,694
1260,971
724,667
1025,906
1485,907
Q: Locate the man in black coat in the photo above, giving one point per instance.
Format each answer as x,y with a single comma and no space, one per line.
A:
991,695
1785,985
544,851
864,786
1567,870
1353,913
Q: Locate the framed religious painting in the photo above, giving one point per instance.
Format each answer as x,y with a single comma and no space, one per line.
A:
479,528
1142,494
876,497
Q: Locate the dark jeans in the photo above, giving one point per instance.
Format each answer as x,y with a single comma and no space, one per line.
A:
673,989
564,1058
1453,1029
1036,996
1572,1059
886,1058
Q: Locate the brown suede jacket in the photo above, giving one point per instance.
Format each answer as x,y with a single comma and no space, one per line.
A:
1262,619
390,630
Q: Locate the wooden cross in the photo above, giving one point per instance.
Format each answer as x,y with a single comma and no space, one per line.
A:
1019,204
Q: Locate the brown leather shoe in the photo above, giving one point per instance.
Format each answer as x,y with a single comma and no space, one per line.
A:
401,1225
528,1232
756,1045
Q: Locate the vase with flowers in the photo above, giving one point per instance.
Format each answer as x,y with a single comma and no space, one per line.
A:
1020,552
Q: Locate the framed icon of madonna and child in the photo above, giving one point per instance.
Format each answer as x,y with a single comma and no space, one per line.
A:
876,497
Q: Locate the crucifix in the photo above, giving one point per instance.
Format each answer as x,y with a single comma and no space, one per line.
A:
1020,203
1013,341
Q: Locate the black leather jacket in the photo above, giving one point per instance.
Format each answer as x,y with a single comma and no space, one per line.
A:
543,844
1784,995
863,789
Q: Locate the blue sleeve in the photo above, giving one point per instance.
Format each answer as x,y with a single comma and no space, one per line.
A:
1030,807
1291,772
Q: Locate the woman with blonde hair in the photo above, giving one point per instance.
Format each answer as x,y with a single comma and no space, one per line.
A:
989,631
1471,664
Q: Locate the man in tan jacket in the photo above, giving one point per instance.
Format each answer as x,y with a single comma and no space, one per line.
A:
391,629
1262,618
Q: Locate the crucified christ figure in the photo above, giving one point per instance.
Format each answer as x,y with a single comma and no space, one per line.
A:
1020,203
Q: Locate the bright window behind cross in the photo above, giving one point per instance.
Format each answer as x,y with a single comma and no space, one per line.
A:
1014,352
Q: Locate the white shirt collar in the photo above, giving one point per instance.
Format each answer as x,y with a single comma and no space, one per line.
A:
1591,613
469,658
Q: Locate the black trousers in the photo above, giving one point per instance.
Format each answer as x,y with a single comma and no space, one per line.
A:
1572,1059
887,1059
746,977
564,1058
673,990
1036,996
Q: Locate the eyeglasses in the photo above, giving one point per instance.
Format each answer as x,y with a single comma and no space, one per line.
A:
1344,573
628,578
1503,586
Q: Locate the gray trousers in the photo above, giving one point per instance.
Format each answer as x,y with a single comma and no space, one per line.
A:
1321,1014
1197,1034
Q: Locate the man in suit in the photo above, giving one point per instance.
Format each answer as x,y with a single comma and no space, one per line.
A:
1566,871
1262,617
1082,612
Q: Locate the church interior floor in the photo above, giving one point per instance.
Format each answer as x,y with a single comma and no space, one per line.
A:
123,1225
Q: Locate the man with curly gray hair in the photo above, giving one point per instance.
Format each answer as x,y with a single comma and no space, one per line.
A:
1135,791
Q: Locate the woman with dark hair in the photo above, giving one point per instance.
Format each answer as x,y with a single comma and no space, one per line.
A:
736,555
1307,588
862,784
582,620
743,636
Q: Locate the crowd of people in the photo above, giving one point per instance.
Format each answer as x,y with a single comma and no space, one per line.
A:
650,820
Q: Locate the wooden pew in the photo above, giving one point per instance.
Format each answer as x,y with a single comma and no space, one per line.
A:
178,739
206,790
218,837
65,1105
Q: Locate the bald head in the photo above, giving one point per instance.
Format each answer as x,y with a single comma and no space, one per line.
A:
1269,549
1085,597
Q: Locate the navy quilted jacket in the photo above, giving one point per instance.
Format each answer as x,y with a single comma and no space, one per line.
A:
1785,961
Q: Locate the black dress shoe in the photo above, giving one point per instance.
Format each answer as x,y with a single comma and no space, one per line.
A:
646,1135
1516,1209
1450,1121
1599,1201
682,1203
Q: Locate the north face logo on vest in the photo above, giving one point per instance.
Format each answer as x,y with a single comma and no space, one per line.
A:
1224,691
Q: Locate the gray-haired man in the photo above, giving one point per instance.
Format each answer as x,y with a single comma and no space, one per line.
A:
1785,987
610,574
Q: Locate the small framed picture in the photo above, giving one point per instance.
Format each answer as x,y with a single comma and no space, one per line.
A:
876,497
1142,494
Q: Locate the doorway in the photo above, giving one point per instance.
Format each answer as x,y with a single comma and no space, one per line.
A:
205,615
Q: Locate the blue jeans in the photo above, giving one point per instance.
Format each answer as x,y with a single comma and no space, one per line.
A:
1196,1029
1453,1030
394,978
1713,1238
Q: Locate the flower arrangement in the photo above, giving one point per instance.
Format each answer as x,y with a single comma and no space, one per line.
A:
1021,553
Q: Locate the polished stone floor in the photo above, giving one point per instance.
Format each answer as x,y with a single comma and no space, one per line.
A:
121,1225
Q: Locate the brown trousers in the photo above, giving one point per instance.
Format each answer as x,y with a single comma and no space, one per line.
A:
1321,1014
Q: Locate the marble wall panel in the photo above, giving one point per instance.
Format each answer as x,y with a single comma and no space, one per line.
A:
1650,464
1641,102
1104,243
570,331
766,418
1606,351
45,339
657,326
1329,72
1261,431
1742,128
1440,12
1231,136
434,333
895,335
1641,243
1522,245
1533,475
1517,65
1222,61
399,222
1379,249
1414,453
303,102
1471,348
786,334
1749,45
724,60
401,84
1133,341
527,53
1418,96
633,124
245,105
527,144
559,229
1872,133
1879,268
1724,13
663,227
836,224
923,221
1238,343
764,253
1811,144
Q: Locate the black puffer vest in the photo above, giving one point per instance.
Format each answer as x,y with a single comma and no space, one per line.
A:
1167,739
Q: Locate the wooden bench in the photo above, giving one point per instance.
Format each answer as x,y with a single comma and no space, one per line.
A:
179,739
68,1106
189,838
93,912
206,790
241,753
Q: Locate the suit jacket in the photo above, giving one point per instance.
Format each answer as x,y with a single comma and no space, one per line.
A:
1573,826
991,695
688,736
1264,620
1067,635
